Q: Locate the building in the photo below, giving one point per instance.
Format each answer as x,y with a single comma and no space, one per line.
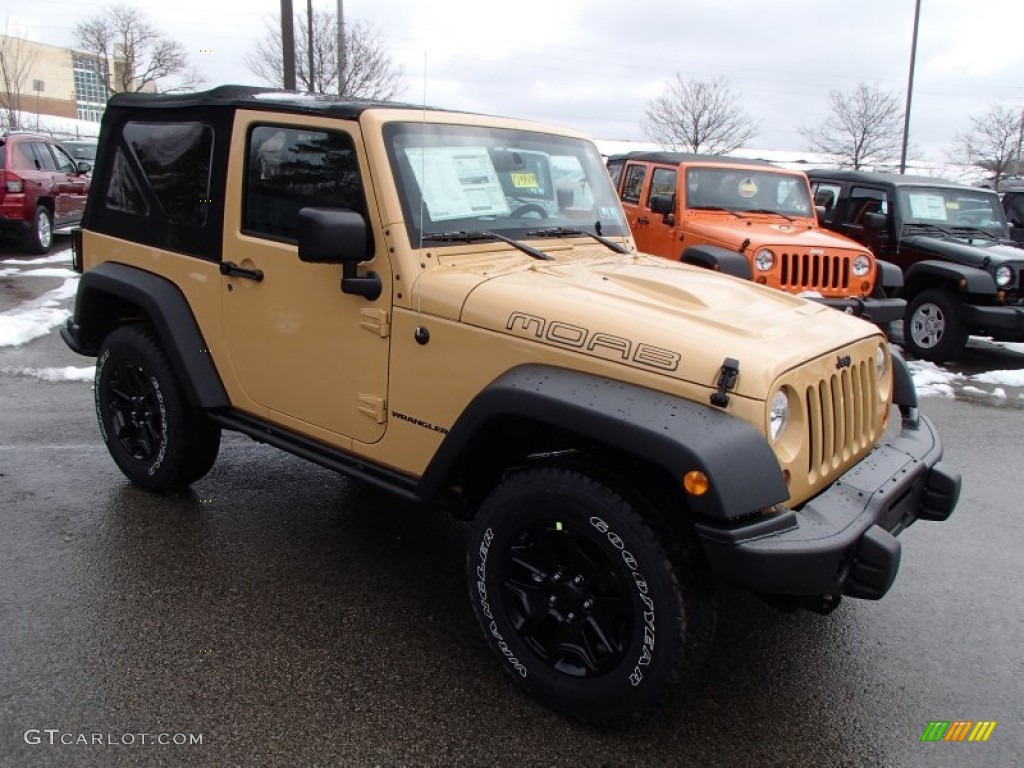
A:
59,82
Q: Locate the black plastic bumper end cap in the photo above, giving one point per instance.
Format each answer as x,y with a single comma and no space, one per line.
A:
875,565
942,490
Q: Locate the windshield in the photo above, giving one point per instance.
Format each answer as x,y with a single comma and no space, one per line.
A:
951,208
454,178
745,190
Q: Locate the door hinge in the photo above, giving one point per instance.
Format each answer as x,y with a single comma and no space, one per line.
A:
374,407
376,321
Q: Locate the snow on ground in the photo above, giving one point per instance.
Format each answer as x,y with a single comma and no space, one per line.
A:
54,258
70,373
1011,378
32,319
49,272
932,380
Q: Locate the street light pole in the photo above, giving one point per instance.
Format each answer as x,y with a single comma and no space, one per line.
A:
309,42
288,44
341,48
910,89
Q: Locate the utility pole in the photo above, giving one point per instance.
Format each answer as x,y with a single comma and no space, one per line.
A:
288,44
910,89
1020,142
341,48
309,43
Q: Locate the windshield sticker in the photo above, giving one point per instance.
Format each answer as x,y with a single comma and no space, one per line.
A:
952,205
925,205
457,182
525,181
748,187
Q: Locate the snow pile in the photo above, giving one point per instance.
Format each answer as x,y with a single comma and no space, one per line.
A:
38,317
1010,378
70,373
932,380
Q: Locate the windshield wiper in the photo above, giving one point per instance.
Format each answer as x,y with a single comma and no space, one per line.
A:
462,236
929,228
977,230
716,208
572,232
770,212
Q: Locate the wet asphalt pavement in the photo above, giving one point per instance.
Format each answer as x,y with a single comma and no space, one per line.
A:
291,617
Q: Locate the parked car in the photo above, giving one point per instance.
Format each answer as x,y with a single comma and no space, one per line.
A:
1013,206
44,189
753,220
412,297
961,270
82,149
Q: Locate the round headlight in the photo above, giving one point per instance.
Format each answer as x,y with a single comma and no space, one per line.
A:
881,362
1004,275
861,265
764,259
778,415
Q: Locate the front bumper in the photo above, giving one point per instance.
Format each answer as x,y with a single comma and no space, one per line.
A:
843,541
995,319
877,311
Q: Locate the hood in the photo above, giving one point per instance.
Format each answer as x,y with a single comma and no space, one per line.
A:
771,232
650,314
967,251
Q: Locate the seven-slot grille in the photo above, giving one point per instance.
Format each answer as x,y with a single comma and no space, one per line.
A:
840,416
806,271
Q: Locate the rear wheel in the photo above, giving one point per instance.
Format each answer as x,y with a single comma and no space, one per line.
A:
157,439
585,607
933,329
39,238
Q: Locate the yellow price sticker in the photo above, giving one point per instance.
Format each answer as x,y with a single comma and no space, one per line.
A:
525,181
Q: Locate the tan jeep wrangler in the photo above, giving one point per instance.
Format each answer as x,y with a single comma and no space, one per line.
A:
754,220
448,306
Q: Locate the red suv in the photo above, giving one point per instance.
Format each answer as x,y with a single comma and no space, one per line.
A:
43,189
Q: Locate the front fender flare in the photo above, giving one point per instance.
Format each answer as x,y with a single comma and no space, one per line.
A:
676,434
718,259
976,280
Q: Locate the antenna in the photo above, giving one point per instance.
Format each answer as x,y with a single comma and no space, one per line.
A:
423,176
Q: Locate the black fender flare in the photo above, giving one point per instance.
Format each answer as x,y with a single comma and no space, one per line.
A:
106,291
676,434
977,280
718,259
890,276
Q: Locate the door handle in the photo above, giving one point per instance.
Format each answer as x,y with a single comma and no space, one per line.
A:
231,269
642,220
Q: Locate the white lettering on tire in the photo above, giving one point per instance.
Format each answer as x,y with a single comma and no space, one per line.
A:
647,646
485,608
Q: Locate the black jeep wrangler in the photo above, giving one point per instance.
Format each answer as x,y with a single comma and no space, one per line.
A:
961,270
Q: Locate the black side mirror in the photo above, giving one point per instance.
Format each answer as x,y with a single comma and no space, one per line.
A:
83,167
339,236
820,210
875,221
663,204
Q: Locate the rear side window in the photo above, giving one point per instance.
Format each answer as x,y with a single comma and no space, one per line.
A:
291,168
175,159
123,193
634,183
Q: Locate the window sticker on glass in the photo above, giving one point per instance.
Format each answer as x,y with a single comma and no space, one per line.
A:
748,187
525,181
457,182
926,206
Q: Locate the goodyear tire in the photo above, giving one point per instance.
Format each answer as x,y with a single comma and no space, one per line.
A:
932,328
580,601
154,436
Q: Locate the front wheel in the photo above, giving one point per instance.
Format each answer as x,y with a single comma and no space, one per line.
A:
933,329
39,238
157,439
587,609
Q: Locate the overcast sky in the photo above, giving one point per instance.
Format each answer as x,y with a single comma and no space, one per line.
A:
594,64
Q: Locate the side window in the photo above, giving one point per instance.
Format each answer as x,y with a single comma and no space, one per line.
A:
292,168
865,200
64,161
43,159
175,158
663,182
615,171
23,158
634,183
826,195
123,193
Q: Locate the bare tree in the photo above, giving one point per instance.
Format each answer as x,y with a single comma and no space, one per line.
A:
699,116
16,61
993,144
863,129
368,71
143,58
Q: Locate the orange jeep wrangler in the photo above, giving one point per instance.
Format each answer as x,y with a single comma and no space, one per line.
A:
750,219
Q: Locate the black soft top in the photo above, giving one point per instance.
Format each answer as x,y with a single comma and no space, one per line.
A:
896,179
676,158
253,97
